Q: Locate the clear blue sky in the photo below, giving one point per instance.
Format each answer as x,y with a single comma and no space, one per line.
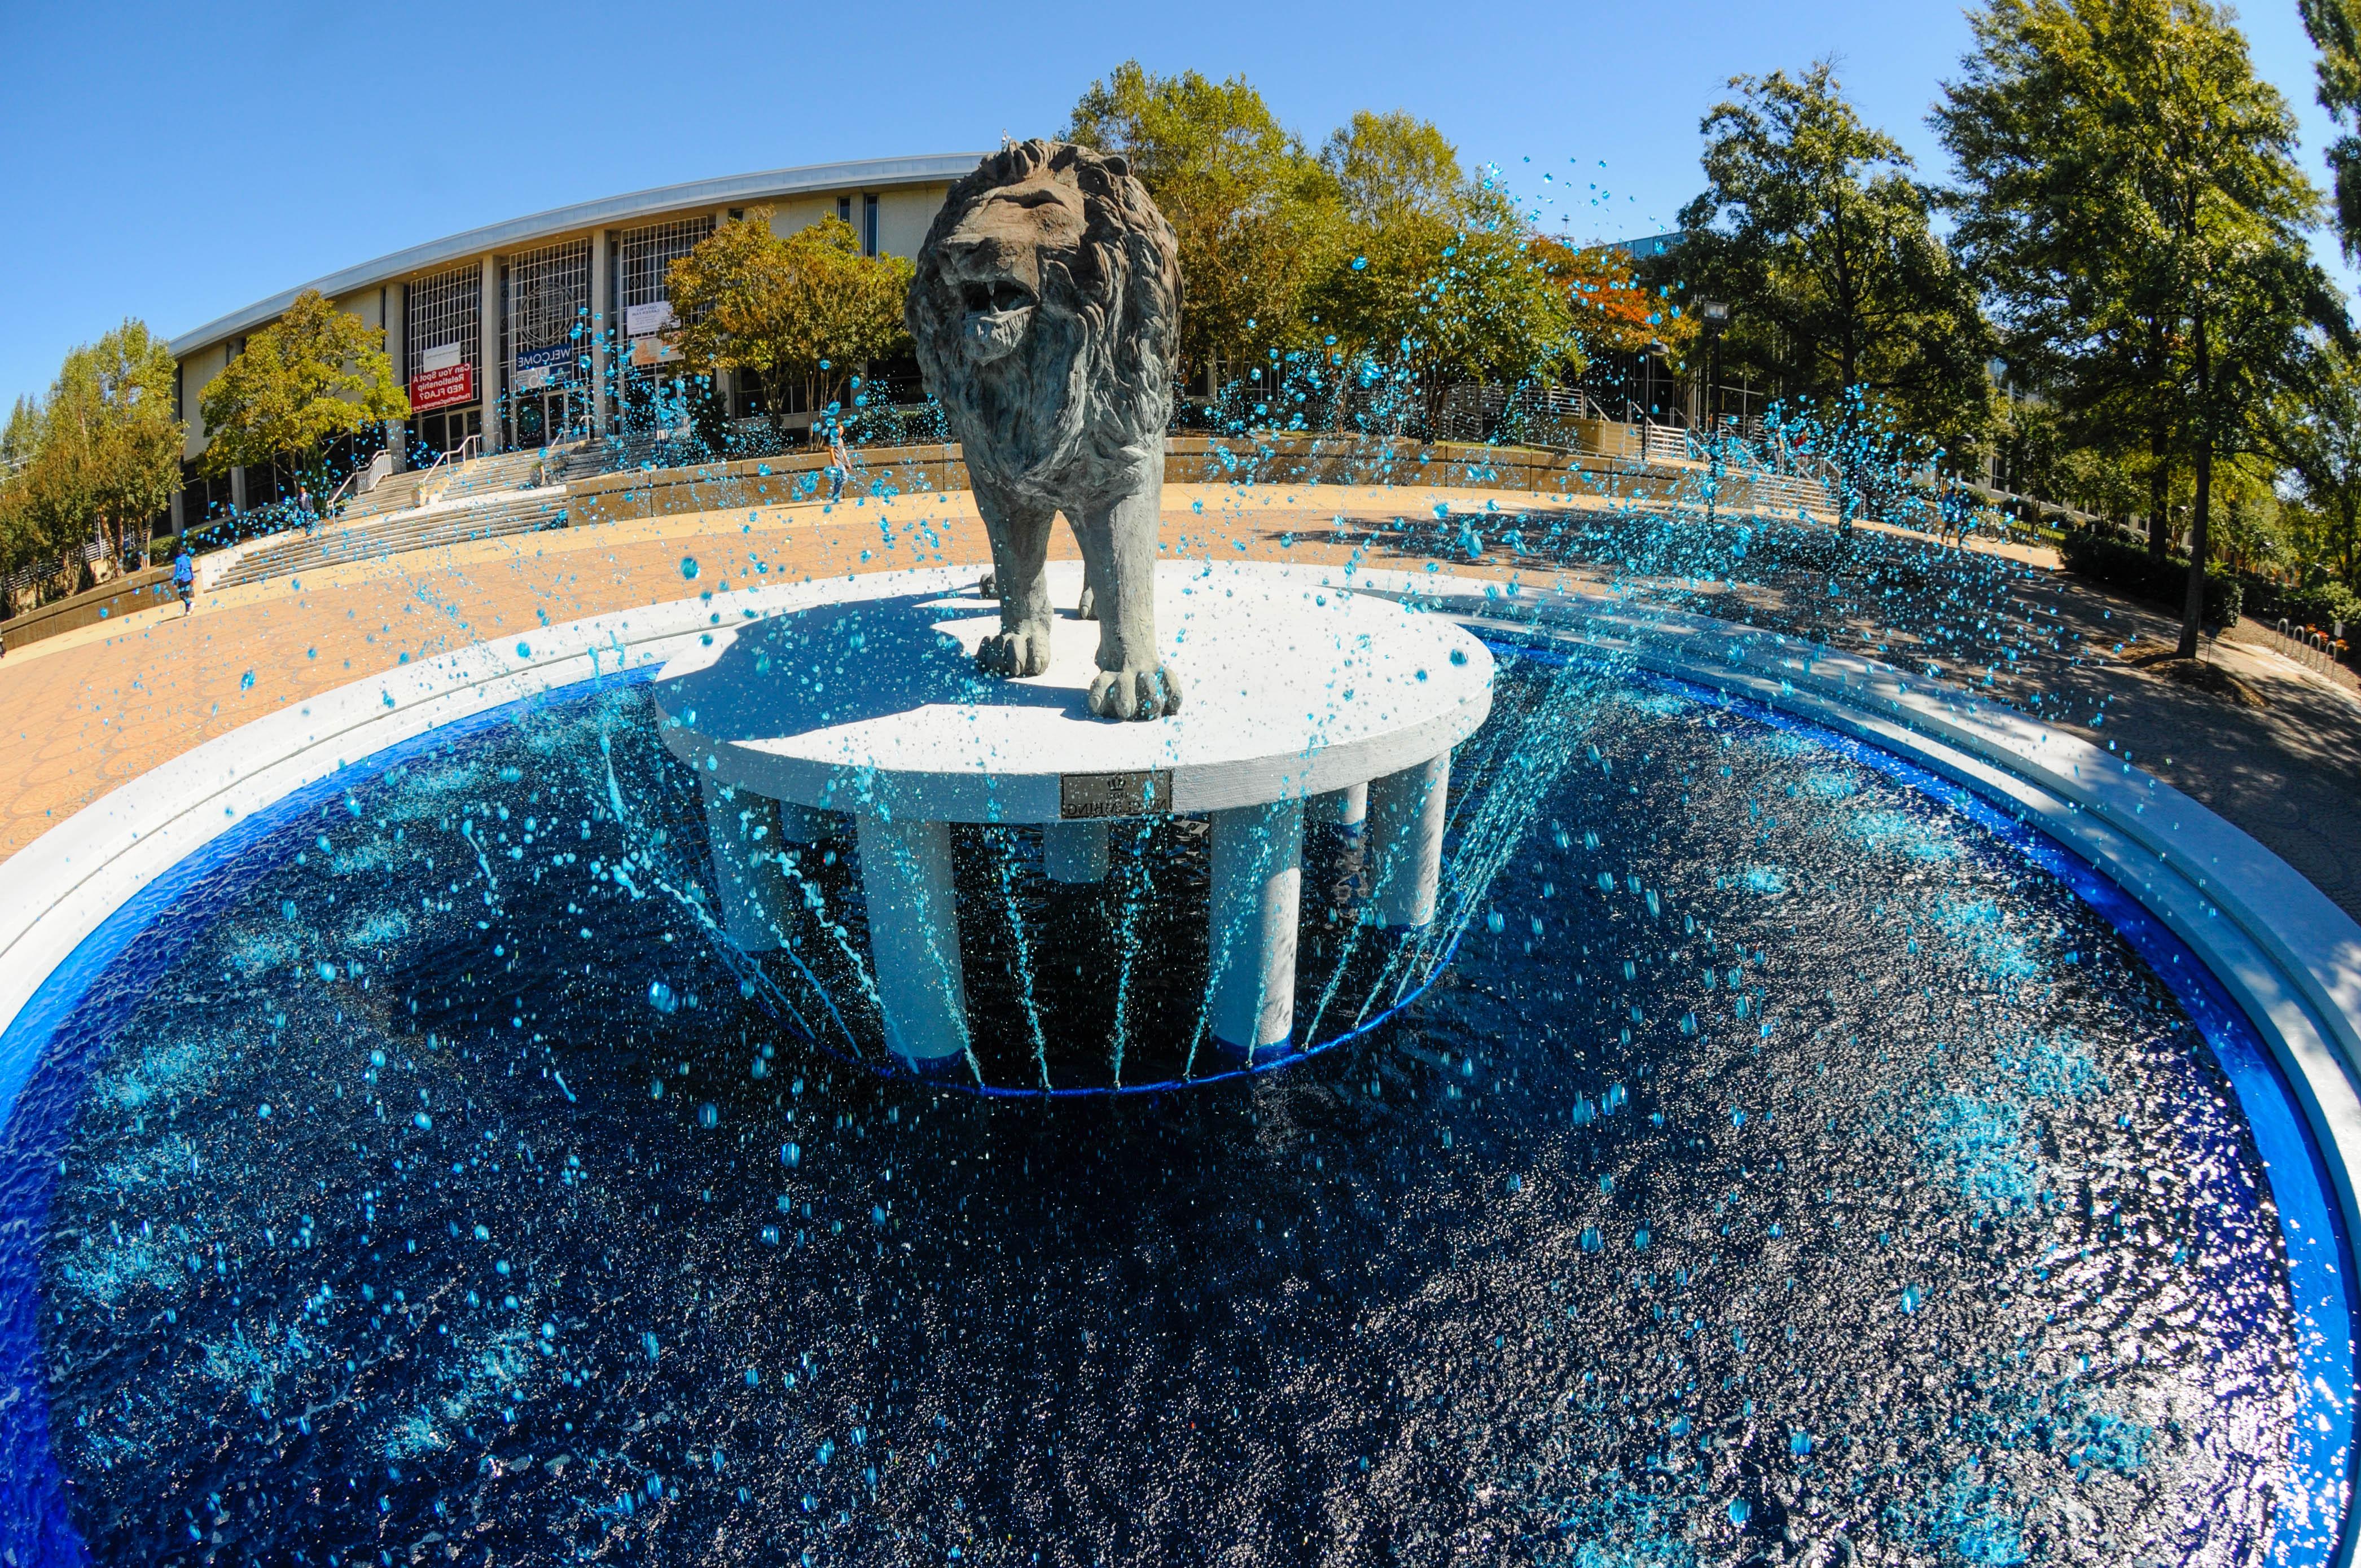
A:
177,162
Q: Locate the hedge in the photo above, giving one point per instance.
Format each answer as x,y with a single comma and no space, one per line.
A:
2164,581
2321,605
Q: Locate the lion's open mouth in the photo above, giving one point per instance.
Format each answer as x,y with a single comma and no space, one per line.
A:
988,299
997,314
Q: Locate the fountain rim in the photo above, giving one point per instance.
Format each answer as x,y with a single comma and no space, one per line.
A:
2287,956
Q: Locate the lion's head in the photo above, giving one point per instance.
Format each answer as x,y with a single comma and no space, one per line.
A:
1047,313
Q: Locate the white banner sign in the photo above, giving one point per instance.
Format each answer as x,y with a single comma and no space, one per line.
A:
645,321
441,358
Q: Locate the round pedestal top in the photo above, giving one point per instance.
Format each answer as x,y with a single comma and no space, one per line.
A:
1291,687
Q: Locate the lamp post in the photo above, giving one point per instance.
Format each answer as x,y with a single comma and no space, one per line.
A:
1715,315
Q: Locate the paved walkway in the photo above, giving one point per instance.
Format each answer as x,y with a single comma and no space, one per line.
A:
2272,745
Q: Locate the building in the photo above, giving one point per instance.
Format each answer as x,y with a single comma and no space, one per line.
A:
547,328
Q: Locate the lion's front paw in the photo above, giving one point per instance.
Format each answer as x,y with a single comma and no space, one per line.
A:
1136,693
1088,610
1025,652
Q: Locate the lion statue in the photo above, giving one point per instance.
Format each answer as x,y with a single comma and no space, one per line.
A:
1047,312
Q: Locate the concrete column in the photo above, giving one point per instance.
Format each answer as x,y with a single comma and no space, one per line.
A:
1405,832
1346,807
749,889
488,341
397,326
1258,889
1074,851
807,824
237,489
905,875
600,289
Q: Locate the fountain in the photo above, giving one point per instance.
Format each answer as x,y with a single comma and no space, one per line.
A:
1517,1066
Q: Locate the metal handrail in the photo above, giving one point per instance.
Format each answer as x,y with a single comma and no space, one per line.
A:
466,451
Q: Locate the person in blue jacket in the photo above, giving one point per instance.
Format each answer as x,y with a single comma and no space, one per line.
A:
184,579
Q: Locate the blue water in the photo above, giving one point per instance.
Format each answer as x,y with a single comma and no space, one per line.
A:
1746,1141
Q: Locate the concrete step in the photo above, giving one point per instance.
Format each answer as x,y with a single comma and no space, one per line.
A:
480,475
375,539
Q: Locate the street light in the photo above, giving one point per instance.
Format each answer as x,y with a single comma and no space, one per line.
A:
1715,315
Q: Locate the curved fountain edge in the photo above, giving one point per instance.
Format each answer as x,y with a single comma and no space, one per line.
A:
2289,957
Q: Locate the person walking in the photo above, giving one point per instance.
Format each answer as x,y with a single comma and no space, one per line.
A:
184,579
839,461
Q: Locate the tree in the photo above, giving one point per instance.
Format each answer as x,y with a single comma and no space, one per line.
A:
2335,29
99,456
1813,229
25,533
2320,442
316,374
1390,167
2131,191
808,306
1257,218
1611,308
1437,304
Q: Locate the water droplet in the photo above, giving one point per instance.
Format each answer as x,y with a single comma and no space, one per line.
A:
1740,1511
422,1121
688,567
661,997
709,1114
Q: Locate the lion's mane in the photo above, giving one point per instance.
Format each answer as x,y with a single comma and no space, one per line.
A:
1083,403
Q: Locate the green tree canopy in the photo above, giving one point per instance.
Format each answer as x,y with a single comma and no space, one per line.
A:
1814,230
2335,29
2320,442
808,306
2131,194
1390,167
315,374
1438,302
1258,220
99,456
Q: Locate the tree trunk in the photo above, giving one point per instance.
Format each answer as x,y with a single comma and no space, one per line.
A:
2192,610
2159,493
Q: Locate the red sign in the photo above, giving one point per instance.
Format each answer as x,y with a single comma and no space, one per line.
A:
440,388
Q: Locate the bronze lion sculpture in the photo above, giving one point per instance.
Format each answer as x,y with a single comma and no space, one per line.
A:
1047,312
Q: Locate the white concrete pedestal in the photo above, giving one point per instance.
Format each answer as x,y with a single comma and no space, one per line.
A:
905,873
1304,699
749,890
1258,893
1405,830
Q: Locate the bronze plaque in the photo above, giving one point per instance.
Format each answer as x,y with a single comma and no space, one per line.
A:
1114,794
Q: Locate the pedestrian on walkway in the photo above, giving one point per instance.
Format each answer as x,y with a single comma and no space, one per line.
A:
184,579
839,460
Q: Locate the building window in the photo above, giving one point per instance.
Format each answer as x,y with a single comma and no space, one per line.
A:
869,225
549,309
646,255
445,311
844,209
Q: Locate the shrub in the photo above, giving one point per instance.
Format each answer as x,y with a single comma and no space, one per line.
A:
2164,582
2321,605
